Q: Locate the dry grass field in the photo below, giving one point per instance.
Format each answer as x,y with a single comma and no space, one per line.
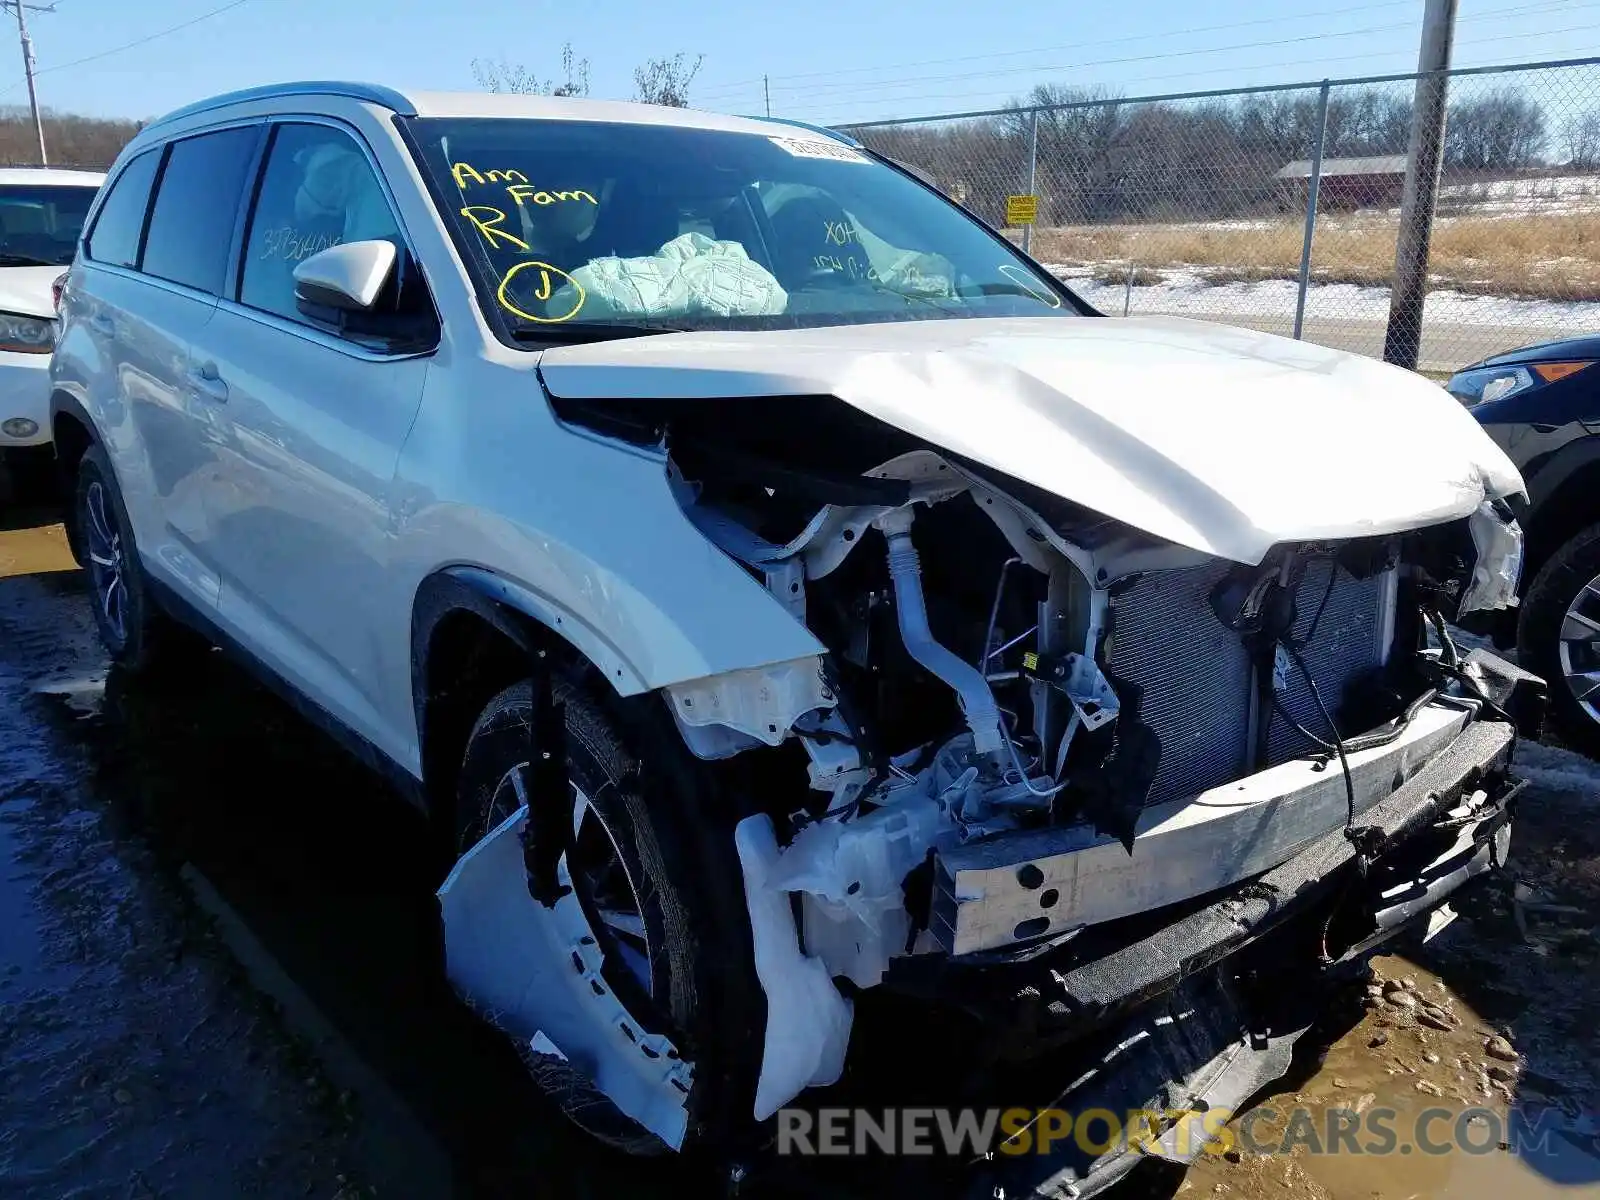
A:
1547,256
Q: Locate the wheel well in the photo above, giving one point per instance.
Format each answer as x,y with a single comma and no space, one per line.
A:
1571,508
71,437
468,655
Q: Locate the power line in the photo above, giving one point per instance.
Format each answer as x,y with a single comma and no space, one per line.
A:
1078,45
1105,62
148,38
882,85
839,105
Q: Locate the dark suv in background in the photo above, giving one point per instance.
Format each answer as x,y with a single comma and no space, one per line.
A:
1542,404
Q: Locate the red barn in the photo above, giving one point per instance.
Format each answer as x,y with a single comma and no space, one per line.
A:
1372,182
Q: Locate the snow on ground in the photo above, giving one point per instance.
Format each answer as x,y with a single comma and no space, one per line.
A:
1548,195
1187,292
1558,769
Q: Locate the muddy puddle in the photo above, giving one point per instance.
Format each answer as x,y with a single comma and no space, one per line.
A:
218,975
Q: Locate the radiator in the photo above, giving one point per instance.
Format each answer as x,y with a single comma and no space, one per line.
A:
1193,677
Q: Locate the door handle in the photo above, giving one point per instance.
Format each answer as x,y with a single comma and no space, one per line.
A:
208,383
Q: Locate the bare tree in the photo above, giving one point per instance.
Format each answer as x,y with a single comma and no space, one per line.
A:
1500,129
503,76
74,141
1582,136
666,80
1075,142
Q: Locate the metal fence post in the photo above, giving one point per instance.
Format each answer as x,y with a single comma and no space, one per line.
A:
1313,187
1402,341
1033,170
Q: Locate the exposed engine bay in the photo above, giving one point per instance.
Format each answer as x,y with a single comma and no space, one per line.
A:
1031,719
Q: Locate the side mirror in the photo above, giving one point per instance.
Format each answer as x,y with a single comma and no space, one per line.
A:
346,278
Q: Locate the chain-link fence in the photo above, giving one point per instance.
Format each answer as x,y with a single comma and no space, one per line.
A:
1279,208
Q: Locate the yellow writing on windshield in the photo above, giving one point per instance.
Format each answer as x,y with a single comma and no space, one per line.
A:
522,191
462,173
487,221
544,281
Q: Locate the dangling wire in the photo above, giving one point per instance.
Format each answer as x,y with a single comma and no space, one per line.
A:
1337,745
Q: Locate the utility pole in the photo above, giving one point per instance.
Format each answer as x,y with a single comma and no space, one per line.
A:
22,10
1403,339
767,92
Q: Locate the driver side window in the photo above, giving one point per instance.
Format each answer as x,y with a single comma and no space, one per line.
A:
318,190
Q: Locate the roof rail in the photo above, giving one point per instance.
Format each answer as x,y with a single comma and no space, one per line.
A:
833,133
373,93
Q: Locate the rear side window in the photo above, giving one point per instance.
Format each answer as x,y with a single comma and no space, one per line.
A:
197,205
115,239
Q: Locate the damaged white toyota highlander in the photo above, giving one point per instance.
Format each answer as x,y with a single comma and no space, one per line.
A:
785,598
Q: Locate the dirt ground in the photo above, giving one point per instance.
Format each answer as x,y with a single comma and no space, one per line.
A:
214,972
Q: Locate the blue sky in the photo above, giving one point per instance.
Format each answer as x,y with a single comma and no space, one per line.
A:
827,60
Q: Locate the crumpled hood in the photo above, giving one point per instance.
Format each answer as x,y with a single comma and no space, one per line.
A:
1222,439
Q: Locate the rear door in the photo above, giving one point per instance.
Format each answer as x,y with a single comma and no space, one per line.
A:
302,503
154,266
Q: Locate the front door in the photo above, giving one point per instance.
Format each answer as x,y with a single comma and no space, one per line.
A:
302,506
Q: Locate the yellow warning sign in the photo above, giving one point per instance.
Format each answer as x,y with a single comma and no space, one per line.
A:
1022,210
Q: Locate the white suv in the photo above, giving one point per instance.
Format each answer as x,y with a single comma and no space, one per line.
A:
781,592
41,219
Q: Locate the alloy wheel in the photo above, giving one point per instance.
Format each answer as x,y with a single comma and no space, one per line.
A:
107,567
599,873
1579,649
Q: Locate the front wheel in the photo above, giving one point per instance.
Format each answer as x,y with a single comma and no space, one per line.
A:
653,864
1558,638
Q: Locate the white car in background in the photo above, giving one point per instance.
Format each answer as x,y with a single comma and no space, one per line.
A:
41,216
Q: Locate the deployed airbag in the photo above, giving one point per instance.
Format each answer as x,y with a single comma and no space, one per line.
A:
692,275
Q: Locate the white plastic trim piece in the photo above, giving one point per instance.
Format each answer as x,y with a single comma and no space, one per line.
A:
760,701
515,962
1498,568
1182,848
808,1021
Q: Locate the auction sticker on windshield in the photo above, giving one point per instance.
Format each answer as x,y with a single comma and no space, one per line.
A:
804,148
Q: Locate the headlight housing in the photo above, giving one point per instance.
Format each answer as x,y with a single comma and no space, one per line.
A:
26,335
1483,385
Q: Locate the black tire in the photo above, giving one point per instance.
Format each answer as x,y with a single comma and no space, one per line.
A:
675,842
132,627
1539,627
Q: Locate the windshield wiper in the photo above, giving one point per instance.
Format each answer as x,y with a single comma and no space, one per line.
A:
1043,295
928,300
27,260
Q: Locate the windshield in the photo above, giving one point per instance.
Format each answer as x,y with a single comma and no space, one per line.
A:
40,224
616,226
